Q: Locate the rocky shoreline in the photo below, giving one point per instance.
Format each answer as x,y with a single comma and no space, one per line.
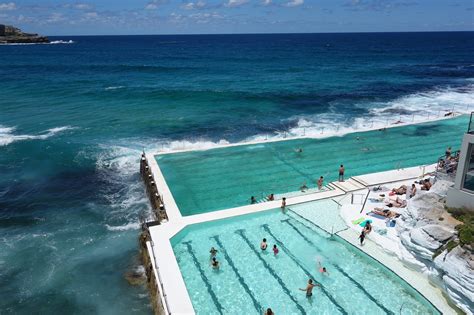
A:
13,35
426,232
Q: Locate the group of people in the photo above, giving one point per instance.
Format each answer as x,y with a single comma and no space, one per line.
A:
450,162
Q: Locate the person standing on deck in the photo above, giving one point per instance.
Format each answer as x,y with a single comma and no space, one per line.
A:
341,173
320,183
283,203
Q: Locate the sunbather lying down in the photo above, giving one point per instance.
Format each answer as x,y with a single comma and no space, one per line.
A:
385,213
397,203
400,190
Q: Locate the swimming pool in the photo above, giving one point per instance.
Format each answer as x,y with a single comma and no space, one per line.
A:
251,280
215,179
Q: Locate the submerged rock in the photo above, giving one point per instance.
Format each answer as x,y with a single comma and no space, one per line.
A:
136,276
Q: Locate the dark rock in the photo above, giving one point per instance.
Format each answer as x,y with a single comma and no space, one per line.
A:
13,35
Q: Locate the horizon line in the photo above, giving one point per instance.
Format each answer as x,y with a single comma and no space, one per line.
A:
270,33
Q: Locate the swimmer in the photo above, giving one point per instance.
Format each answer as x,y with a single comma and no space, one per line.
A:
322,269
213,252
299,150
309,288
263,244
275,250
304,187
215,263
253,200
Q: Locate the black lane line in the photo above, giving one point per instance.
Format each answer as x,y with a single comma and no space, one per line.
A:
357,284
308,274
272,272
257,305
204,277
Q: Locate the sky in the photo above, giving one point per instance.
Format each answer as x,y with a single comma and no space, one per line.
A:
121,17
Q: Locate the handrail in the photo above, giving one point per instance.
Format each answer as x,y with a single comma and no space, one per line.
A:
162,293
365,201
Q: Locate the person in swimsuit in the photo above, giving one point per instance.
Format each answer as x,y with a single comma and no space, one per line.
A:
271,197
215,263
309,288
253,200
263,244
320,183
367,228
413,191
341,173
268,312
448,153
304,187
322,269
275,250
213,252
362,237
283,203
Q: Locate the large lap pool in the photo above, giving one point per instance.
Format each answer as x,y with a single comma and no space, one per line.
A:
251,280
203,181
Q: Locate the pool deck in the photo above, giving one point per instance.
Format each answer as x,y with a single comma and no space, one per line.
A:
165,266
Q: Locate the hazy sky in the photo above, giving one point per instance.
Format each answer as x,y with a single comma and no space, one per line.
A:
53,17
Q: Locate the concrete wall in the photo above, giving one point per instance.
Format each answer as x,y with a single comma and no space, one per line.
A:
458,197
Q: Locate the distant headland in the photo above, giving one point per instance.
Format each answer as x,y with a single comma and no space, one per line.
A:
13,35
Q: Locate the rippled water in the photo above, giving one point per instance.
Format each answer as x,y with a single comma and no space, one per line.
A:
75,116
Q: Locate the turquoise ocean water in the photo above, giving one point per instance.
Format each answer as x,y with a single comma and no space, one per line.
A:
74,118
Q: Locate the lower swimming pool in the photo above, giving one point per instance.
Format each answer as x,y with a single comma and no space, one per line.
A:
250,280
216,179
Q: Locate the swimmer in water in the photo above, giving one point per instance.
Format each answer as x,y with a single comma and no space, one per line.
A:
309,288
322,269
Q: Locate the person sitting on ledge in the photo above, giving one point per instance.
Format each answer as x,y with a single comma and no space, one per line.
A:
385,213
426,185
253,200
270,197
304,188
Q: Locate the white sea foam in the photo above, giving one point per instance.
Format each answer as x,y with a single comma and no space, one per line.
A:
414,108
7,135
126,227
53,42
109,88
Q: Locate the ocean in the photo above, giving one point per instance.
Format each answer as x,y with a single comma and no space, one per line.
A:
75,115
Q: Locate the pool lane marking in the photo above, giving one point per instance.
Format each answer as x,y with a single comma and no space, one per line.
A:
257,305
272,272
306,271
357,284
204,277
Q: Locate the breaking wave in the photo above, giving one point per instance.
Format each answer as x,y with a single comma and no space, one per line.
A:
7,135
54,42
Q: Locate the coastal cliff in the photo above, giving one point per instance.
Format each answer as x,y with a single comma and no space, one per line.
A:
429,235
13,35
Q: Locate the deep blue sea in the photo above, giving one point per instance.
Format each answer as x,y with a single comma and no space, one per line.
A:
74,118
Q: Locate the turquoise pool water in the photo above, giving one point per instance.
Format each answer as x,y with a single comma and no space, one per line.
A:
250,279
203,181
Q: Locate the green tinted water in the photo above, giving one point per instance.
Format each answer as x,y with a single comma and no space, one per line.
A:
203,181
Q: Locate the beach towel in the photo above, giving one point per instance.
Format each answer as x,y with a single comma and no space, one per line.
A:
365,222
358,221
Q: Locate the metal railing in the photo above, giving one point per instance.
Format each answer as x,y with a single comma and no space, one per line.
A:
161,289
470,128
